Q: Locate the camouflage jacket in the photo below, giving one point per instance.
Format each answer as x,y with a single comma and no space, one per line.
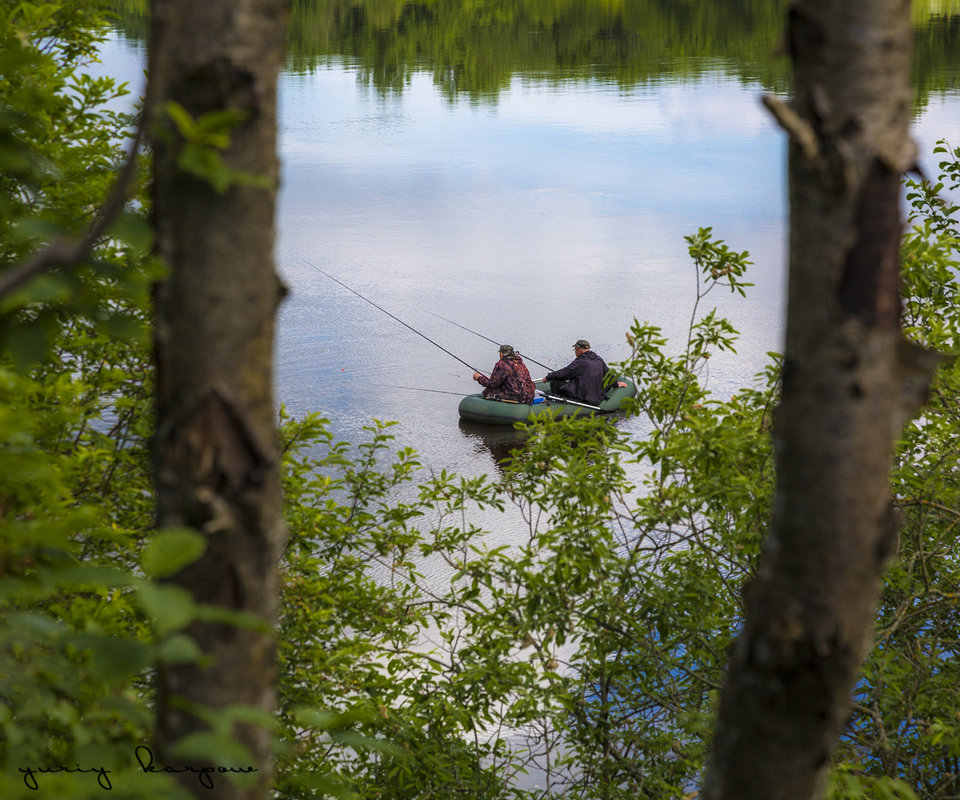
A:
510,380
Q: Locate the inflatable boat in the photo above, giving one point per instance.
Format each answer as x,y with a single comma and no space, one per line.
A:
476,408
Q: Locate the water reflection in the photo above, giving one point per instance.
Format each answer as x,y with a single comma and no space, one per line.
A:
503,442
500,441
476,50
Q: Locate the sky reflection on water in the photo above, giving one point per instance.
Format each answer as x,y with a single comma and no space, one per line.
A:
556,212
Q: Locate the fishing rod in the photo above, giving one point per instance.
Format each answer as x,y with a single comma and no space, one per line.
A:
562,399
390,315
487,338
453,355
461,394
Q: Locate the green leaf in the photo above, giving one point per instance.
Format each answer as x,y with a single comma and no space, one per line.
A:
170,607
323,785
179,649
171,550
27,343
182,119
112,658
229,616
135,231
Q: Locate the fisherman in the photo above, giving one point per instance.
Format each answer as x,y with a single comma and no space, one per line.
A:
583,378
509,380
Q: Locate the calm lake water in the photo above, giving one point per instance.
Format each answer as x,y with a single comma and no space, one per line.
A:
549,211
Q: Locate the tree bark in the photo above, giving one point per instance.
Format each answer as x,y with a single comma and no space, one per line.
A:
850,381
216,457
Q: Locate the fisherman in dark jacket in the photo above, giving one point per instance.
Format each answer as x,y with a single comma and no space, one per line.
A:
510,379
582,378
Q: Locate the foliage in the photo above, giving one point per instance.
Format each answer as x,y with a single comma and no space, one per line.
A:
76,638
904,724
199,143
355,669
60,144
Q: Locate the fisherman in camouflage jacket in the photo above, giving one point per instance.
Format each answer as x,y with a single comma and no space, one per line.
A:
510,379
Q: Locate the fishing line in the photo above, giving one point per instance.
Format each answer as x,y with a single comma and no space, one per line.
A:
420,389
475,333
391,315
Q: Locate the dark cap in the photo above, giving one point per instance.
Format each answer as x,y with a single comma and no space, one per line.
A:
506,350
583,344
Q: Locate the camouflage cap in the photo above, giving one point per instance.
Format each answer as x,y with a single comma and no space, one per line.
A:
582,344
506,350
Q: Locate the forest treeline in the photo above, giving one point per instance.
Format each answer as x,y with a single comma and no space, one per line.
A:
474,49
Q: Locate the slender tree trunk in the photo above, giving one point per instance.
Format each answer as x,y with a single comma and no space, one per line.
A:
849,383
215,450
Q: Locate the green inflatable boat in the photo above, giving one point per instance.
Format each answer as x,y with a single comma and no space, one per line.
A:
475,408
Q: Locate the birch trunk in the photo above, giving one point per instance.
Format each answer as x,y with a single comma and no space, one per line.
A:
850,381
215,452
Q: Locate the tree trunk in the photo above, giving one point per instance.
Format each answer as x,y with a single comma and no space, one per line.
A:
215,452
849,383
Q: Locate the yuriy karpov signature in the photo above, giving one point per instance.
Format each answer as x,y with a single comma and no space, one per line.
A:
144,756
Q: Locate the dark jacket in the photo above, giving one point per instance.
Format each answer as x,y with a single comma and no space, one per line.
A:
510,380
581,379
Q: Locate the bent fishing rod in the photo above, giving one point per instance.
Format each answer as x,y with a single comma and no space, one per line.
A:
423,335
487,338
379,308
